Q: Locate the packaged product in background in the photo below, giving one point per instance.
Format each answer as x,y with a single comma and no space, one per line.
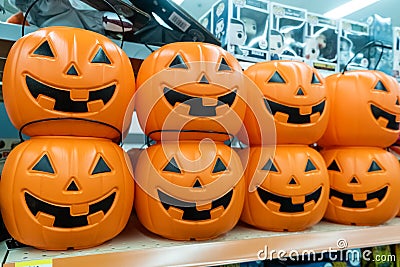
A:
241,26
287,32
321,43
380,55
352,38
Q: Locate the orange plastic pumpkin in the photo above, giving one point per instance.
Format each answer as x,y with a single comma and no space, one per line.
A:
66,192
365,109
286,192
364,185
186,192
295,95
190,86
66,75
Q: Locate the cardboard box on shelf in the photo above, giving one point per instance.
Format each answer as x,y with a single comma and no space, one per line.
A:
352,38
287,32
241,26
321,43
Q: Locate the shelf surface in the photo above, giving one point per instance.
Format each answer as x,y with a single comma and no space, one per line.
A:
135,246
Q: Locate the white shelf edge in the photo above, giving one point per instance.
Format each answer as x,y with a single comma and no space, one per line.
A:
137,246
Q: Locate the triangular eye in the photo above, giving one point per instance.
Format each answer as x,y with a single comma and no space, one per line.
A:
172,167
334,166
101,167
219,166
397,102
310,166
178,63
223,65
270,166
276,78
101,57
43,165
315,80
44,50
374,167
380,87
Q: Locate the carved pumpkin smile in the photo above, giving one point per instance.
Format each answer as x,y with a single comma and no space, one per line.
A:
62,216
290,204
367,200
389,120
183,210
63,100
295,114
197,107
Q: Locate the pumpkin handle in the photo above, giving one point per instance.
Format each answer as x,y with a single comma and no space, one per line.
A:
105,1
367,45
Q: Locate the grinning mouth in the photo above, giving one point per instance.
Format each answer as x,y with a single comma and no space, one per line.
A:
294,113
61,215
368,202
377,112
286,203
196,103
62,98
189,209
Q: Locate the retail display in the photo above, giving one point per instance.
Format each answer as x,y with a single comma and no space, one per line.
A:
82,91
396,53
194,90
287,32
321,43
295,94
363,185
352,38
241,26
66,192
375,108
287,190
189,190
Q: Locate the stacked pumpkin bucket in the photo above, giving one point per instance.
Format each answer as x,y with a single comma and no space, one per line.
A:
71,186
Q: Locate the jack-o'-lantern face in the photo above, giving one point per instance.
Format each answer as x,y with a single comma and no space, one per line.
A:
363,182
57,73
59,193
183,194
287,192
295,95
190,86
365,109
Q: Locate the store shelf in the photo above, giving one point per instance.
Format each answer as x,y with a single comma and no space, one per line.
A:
135,246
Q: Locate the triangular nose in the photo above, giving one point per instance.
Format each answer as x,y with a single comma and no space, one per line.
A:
72,71
197,184
354,180
293,181
300,92
204,79
72,186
